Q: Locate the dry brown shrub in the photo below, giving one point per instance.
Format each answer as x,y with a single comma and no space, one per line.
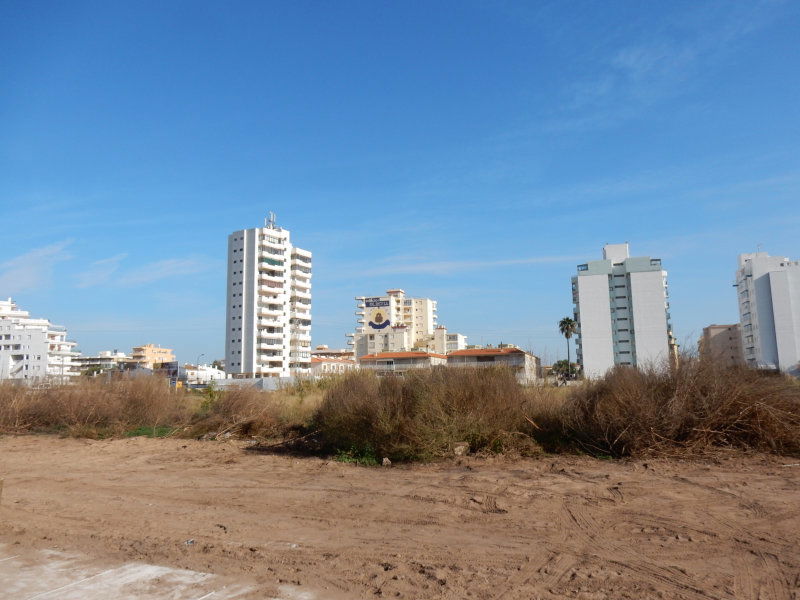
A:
92,407
250,412
424,413
692,408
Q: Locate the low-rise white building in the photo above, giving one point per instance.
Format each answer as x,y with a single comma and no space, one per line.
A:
769,311
34,350
103,361
391,363
202,374
527,367
323,366
322,351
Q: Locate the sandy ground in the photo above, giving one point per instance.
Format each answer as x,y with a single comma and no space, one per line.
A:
552,527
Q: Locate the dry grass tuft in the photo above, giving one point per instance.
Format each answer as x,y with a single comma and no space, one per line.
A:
248,412
92,408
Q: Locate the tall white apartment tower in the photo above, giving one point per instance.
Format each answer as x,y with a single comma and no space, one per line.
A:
268,320
769,311
622,310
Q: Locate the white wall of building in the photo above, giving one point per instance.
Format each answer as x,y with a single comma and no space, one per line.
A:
622,310
594,339
268,317
649,318
33,349
769,311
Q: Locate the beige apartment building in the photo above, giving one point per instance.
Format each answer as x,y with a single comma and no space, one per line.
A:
150,355
398,323
722,343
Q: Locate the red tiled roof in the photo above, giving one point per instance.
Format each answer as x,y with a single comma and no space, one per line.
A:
485,351
381,355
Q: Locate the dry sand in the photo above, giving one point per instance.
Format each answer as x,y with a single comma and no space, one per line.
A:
552,527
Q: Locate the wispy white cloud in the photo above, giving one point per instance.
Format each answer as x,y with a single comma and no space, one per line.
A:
164,269
632,78
33,269
446,267
100,271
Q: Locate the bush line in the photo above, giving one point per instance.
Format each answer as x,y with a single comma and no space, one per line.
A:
358,417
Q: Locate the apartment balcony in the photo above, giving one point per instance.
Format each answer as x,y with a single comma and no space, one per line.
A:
360,313
301,253
272,264
268,322
300,337
278,254
270,290
263,278
263,311
270,346
301,294
301,279
276,245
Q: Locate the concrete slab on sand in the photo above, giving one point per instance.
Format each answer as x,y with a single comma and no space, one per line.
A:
52,574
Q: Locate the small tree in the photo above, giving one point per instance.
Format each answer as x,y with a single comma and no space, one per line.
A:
564,368
567,326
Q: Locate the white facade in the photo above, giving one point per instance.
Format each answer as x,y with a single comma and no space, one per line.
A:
268,321
527,367
202,374
397,323
323,366
769,311
34,350
105,360
622,310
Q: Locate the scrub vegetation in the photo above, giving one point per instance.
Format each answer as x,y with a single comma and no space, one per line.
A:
694,408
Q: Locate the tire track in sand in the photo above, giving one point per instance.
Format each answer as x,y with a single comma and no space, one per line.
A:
584,525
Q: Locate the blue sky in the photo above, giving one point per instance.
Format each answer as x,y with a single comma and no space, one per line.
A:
473,152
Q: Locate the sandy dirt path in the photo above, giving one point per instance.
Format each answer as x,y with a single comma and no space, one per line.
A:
545,528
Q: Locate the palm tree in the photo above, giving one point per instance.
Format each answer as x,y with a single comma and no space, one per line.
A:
567,327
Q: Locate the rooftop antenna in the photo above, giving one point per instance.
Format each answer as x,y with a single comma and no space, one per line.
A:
270,220
759,247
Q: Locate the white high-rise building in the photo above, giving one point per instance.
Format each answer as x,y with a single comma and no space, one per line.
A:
397,323
769,311
622,310
268,322
34,350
